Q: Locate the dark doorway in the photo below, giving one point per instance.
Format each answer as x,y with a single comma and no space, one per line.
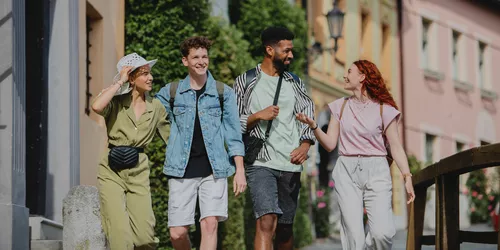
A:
37,41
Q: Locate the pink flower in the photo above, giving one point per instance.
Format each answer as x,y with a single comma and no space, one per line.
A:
321,205
485,170
474,193
492,213
491,198
320,193
364,210
473,209
465,191
490,207
480,197
331,184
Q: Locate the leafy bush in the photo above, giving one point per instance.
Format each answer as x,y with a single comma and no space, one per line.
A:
479,197
302,231
253,16
322,212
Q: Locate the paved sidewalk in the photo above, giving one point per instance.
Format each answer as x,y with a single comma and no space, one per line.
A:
400,242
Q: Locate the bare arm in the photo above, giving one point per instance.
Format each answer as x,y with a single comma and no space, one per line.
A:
399,156
239,181
103,99
253,119
397,150
329,139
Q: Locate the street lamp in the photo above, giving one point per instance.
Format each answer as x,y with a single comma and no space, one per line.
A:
335,20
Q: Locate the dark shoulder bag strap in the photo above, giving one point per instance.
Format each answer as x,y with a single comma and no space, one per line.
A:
382,115
173,92
275,102
342,108
220,91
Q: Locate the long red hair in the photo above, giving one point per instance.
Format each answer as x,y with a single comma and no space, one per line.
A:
374,84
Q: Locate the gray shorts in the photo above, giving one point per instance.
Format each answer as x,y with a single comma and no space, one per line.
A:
211,192
273,192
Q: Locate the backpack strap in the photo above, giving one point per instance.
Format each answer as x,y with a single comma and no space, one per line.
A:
250,74
173,92
342,108
381,115
295,77
220,91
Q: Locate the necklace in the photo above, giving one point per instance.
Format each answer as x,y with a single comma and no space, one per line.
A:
359,105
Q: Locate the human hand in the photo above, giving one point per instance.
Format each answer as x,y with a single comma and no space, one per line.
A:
239,183
269,113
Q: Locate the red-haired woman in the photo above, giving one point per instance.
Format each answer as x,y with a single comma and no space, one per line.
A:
362,175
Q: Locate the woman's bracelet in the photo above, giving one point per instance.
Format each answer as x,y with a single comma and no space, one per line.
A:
315,127
407,175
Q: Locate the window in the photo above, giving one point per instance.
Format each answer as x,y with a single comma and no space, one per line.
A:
429,148
455,57
93,83
459,146
481,66
88,94
365,37
426,25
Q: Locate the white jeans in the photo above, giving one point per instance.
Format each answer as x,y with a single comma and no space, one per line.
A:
367,179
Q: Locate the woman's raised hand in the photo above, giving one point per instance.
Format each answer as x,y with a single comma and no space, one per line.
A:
306,120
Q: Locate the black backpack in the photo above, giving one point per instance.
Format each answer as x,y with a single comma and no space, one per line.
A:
173,92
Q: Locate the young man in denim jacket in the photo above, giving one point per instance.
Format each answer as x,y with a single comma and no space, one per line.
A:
274,177
204,118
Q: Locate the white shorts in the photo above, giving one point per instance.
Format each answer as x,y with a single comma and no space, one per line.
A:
212,193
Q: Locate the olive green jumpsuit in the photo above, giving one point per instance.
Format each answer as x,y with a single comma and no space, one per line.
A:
125,197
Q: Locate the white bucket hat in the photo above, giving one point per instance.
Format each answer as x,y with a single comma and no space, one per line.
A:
134,60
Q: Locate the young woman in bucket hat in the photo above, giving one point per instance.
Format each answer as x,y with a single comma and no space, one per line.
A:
132,119
362,124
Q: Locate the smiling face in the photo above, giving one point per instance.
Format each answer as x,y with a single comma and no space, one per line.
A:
353,78
281,54
196,61
142,79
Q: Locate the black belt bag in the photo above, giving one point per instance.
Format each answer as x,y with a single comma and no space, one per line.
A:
123,157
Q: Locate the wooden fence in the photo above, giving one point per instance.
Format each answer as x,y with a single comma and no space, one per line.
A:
445,174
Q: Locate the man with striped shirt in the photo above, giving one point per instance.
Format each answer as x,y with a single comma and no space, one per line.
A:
274,177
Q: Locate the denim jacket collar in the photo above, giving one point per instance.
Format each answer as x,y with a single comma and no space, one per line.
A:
211,88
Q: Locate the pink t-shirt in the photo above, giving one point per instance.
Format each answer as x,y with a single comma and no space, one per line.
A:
361,126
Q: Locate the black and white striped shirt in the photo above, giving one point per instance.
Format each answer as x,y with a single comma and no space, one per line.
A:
303,104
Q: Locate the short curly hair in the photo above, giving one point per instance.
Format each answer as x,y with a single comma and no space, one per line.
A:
195,42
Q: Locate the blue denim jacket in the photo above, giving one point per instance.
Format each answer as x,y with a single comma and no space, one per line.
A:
216,131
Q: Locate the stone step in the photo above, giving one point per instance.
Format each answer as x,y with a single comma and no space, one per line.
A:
45,229
46,245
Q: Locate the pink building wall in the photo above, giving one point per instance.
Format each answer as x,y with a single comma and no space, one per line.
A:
435,105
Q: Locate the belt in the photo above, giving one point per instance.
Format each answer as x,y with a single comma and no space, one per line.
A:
363,155
139,150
